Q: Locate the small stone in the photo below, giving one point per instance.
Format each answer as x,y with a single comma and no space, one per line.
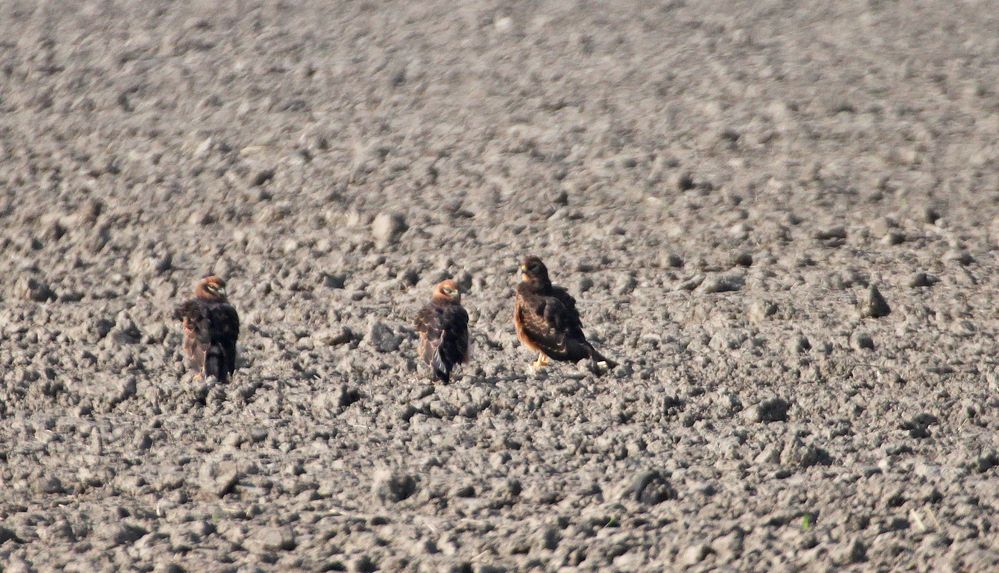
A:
771,410
334,337
674,261
50,485
837,233
922,280
125,534
683,181
332,280
218,478
651,488
983,463
271,539
723,283
696,553
862,341
8,535
30,288
919,425
798,344
760,310
465,491
893,238
875,305
393,487
797,453
382,338
261,177
931,215
691,283
345,396
387,227
959,256
503,25
363,564
744,260
855,552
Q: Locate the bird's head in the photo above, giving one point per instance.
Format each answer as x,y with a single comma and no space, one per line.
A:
211,287
447,290
534,272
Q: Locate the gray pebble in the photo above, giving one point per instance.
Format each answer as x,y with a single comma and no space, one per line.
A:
123,534
695,554
875,305
837,233
771,410
387,227
652,488
30,288
723,283
854,552
270,539
861,341
382,338
392,487
218,478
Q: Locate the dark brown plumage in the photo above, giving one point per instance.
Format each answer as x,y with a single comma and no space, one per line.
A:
547,320
443,328
211,328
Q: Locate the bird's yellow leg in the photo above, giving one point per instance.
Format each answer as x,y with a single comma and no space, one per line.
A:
541,362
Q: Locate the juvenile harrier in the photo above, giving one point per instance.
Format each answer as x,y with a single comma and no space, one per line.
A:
547,320
211,327
443,328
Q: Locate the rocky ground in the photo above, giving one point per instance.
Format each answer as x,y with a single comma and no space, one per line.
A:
781,217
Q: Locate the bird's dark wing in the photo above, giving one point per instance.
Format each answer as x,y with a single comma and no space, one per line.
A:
567,313
225,332
443,332
454,346
538,320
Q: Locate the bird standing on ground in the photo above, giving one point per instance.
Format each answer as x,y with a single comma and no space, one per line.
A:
211,328
547,321
443,328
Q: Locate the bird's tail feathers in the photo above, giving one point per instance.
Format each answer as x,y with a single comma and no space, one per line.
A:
215,363
596,358
440,366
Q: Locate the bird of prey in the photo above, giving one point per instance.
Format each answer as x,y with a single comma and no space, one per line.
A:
443,328
547,321
211,327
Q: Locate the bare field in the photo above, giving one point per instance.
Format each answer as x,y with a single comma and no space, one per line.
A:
722,186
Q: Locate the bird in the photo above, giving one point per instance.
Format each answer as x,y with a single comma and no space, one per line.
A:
443,328
547,321
211,328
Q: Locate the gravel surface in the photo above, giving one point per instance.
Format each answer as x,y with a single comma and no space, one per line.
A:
782,218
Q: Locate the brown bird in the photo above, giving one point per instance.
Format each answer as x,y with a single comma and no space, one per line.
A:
443,328
211,327
547,320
